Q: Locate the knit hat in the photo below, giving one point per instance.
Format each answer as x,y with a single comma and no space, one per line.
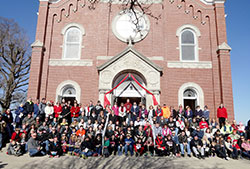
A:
229,138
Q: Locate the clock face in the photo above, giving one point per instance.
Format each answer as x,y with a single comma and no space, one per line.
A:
130,25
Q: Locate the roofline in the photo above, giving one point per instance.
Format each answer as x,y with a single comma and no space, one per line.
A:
129,49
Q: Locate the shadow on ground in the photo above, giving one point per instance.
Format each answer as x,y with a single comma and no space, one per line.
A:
68,162
2,165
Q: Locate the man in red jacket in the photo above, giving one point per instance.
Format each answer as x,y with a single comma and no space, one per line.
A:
222,114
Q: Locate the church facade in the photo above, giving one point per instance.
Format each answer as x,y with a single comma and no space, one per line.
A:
177,52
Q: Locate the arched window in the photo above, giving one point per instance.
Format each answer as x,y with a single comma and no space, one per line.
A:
69,91
188,45
188,42
189,93
72,43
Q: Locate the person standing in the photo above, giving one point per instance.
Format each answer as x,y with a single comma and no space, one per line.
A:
122,113
134,111
42,106
222,114
128,107
206,113
29,106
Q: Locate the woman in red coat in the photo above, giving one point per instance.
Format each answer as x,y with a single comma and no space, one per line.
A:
57,109
75,111
222,115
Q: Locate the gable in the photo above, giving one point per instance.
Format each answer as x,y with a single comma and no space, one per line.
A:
130,57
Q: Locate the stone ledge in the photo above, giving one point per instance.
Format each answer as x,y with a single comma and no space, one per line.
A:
192,65
60,62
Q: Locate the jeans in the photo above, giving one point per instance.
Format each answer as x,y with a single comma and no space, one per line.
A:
188,148
1,140
34,152
88,154
235,153
99,150
197,150
120,150
130,148
46,143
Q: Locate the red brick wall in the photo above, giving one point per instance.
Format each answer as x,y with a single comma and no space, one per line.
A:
161,41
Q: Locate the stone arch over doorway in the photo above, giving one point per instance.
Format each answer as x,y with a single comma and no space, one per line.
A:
68,85
130,60
191,91
129,89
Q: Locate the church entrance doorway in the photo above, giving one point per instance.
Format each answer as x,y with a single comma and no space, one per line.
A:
129,89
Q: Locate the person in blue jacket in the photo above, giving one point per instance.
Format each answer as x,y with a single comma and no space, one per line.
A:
129,145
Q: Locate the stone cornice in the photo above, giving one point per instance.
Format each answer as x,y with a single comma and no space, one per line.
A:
37,43
190,65
211,2
224,46
60,62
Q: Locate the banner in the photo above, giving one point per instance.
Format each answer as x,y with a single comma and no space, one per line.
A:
107,102
154,99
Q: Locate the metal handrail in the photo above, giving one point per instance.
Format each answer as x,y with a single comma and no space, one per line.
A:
152,124
104,130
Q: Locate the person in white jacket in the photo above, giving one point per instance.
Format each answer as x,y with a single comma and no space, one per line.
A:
49,110
122,113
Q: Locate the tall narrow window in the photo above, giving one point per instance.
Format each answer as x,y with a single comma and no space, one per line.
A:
73,39
188,46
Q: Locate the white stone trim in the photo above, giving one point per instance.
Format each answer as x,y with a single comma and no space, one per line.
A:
188,26
211,2
37,43
224,46
60,62
126,1
70,25
196,88
192,65
103,57
61,86
160,58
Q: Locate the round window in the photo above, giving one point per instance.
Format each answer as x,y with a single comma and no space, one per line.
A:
130,25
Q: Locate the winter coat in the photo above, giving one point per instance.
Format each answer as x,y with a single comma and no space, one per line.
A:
75,112
166,112
196,143
29,107
19,114
222,112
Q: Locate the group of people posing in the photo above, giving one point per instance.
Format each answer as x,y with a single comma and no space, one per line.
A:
42,128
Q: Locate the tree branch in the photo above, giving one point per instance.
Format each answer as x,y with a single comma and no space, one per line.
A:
18,86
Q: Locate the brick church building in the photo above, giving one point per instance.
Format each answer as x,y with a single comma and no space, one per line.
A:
178,52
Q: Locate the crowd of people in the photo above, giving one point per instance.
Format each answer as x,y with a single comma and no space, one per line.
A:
55,129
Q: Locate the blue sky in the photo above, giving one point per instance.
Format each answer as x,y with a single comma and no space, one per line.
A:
238,32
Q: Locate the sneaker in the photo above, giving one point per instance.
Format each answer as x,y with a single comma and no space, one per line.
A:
189,155
182,155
